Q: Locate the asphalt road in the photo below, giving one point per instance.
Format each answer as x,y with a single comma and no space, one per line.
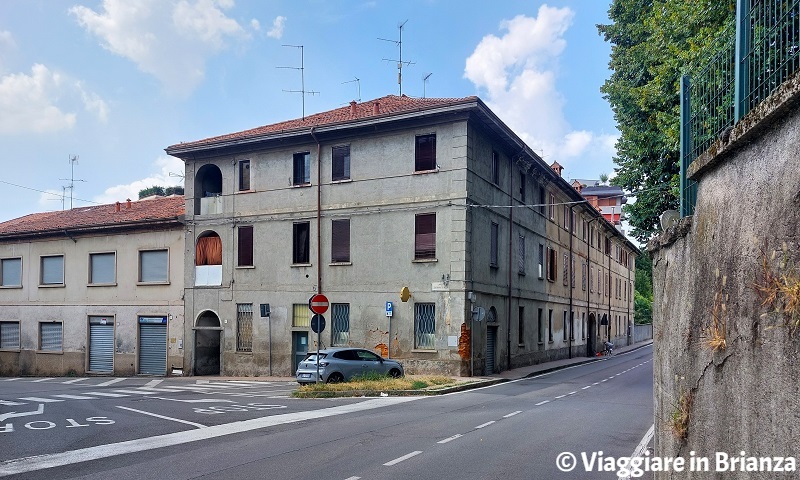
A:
233,430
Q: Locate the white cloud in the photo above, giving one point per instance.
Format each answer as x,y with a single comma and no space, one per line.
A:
7,39
31,103
164,166
255,24
172,47
277,27
519,73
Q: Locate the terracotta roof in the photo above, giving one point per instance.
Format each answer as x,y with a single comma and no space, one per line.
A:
156,208
386,106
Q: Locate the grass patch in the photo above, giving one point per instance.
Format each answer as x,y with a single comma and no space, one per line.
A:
679,421
780,291
373,382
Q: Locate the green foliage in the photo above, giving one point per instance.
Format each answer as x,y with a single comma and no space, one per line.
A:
642,309
643,290
160,191
653,42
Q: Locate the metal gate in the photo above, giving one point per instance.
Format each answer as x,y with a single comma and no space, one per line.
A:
491,344
101,344
152,345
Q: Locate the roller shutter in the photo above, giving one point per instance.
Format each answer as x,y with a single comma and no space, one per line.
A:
152,345
101,345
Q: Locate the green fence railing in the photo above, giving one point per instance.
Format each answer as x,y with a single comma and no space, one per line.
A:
748,61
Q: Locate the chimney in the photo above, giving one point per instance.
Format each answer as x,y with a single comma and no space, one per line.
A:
557,168
353,109
128,203
116,207
376,108
577,186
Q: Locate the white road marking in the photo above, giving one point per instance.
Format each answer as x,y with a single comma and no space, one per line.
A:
587,386
40,462
11,379
9,403
105,394
111,382
596,383
198,425
41,400
512,414
482,425
639,452
38,411
603,380
153,383
202,400
75,397
572,393
136,392
41,380
450,439
352,478
167,390
542,402
248,382
203,381
76,380
404,457
560,396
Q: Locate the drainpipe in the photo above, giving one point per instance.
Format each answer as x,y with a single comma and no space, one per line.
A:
571,276
319,213
608,327
510,258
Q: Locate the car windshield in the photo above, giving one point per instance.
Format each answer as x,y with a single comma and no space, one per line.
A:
312,357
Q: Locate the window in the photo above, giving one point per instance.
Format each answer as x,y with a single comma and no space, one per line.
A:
425,153
300,242
340,241
244,175
522,187
11,272
583,326
521,254
551,264
340,169
495,168
572,325
50,337
608,285
424,325
591,284
154,266
572,271
550,325
244,327
425,236
102,268
583,276
52,270
541,261
521,326
300,315
585,230
302,169
566,217
244,243
540,324
591,237
541,199
493,245
599,282
566,269
564,326
552,207
9,335
340,324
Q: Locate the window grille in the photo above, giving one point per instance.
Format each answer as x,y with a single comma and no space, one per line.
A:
50,337
340,324
9,335
424,325
244,327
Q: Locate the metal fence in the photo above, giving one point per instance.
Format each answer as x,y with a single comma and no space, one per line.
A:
749,60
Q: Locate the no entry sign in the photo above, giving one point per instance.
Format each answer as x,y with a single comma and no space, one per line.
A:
318,304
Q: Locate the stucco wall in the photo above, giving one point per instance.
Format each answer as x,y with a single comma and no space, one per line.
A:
705,273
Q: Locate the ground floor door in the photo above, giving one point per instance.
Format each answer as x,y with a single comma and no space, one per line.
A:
299,348
153,345
101,344
206,352
591,336
491,349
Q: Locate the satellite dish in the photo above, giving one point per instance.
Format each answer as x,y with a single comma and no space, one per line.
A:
669,218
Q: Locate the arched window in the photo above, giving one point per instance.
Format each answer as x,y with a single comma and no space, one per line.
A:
208,190
208,259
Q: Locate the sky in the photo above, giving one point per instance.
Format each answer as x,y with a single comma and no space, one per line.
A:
112,83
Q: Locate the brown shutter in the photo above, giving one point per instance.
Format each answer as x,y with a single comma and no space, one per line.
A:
245,245
340,240
208,251
425,158
425,236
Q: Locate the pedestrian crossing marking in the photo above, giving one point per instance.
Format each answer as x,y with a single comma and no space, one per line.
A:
75,397
110,382
106,394
75,380
41,400
9,403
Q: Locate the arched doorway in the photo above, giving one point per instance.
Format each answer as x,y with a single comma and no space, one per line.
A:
207,340
591,336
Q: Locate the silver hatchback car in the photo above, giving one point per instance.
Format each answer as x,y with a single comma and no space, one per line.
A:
342,364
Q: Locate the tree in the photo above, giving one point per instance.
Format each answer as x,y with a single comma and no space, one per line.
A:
643,290
653,42
160,191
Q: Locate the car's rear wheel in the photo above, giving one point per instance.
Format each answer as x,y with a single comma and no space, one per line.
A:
395,373
335,377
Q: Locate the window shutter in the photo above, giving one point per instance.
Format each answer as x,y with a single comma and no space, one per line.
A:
245,245
340,240
52,270
102,268
493,245
12,272
425,158
425,236
154,266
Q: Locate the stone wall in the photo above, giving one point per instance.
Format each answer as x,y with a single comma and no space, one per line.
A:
726,363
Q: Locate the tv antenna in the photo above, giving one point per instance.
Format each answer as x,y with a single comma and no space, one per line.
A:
357,81
73,159
302,69
424,81
400,61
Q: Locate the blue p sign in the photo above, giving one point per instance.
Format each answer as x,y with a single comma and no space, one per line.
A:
389,309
